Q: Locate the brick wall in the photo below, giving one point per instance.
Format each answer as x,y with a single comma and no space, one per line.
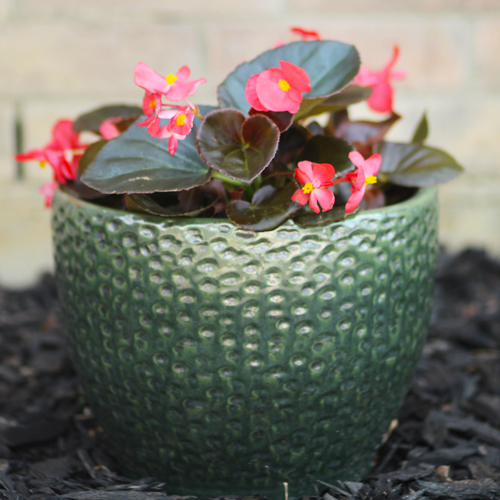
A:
61,57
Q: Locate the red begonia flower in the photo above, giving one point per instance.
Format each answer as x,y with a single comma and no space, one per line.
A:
174,87
380,83
181,120
364,175
48,190
278,89
62,153
251,93
108,128
316,178
305,35
151,105
173,138
179,126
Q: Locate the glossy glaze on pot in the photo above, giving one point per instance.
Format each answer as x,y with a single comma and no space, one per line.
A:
225,361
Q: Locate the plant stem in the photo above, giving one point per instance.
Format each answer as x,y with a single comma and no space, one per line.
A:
195,110
228,180
340,181
276,174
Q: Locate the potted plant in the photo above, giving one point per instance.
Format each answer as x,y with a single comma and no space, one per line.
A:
246,287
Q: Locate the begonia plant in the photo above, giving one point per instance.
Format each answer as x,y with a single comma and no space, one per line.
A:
279,145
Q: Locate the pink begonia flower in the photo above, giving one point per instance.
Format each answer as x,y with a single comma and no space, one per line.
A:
181,120
305,34
173,139
380,83
108,128
151,106
179,126
174,87
48,190
316,178
63,153
278,89
364,175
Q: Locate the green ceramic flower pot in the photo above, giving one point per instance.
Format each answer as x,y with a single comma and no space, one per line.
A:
228,362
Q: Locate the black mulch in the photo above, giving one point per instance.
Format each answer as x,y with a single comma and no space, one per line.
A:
445,444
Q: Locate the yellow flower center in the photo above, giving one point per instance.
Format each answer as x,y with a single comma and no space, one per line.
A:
370,180
152,104
42,164
170,78
308,188
284,85
180,120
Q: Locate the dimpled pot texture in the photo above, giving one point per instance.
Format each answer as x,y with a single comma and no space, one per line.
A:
223,361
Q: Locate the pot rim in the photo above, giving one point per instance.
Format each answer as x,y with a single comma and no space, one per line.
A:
423,196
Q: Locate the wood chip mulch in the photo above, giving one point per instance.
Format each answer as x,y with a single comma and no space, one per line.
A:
445,443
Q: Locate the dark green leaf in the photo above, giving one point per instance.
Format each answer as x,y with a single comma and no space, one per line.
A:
191,200
362,132
282,119
77,187
135,162
89,156
238,147
292,139
268,215
373,198
215,189
80,190
327,149
311,219
315,128
264,194
415,165
330,66
279,172
351,94
422,130
190,206
347,96
92,120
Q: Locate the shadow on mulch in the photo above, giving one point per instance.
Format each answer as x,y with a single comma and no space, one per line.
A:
444,445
